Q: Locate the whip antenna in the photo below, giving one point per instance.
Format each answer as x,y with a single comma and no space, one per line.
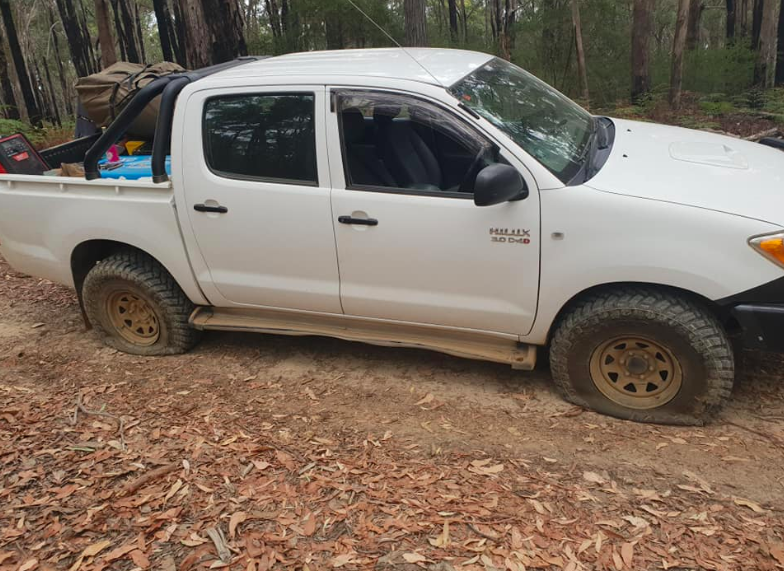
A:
394,41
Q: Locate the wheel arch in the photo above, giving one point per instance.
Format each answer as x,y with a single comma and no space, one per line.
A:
88,253
722,313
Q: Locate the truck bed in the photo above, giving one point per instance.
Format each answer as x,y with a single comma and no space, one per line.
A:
44,219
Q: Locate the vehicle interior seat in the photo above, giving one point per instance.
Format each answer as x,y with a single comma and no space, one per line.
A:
411,162
365,167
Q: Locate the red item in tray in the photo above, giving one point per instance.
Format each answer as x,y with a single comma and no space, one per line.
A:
17,156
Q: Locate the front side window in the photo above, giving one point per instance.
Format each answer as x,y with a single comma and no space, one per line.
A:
546,124
405,144
262,136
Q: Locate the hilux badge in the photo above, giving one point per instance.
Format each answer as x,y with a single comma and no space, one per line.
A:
510,235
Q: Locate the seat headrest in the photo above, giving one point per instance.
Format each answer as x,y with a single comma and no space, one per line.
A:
353,125
385,111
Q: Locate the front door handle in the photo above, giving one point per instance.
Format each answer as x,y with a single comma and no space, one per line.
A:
358,221
205,208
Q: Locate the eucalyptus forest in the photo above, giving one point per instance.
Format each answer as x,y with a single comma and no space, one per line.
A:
630,57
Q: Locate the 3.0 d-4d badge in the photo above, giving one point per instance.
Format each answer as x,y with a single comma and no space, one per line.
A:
510,236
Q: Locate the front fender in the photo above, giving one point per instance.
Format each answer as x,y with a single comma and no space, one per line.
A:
591,238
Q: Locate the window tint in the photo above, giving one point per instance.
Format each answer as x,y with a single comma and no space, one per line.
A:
262,136
402,142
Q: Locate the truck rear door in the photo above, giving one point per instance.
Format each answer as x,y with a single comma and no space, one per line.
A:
257,195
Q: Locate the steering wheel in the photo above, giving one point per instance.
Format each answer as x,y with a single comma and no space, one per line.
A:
466,185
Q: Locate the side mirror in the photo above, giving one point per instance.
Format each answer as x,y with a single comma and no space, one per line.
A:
498,183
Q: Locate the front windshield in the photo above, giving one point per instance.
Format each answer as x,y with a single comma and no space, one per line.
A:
546,124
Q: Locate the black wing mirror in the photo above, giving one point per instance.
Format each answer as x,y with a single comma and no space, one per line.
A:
498,183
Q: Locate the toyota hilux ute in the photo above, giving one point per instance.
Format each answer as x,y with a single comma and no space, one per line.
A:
424,198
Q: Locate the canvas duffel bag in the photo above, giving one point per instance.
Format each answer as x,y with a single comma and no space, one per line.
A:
106,93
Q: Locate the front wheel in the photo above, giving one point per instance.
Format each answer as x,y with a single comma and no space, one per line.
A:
135,306
644,355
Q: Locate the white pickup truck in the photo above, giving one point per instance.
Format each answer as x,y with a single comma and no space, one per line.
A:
425,198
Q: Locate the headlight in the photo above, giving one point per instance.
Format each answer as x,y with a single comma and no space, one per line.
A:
771,246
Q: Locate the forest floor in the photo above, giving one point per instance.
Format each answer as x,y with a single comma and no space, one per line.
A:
254,452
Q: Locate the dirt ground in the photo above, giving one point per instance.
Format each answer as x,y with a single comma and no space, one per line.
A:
311,453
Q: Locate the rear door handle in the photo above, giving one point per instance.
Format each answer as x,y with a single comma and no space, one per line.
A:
205,208
358,221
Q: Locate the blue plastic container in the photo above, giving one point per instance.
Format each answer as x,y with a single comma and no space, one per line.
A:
132,168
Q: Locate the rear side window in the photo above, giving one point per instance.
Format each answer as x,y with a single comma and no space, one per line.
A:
265,137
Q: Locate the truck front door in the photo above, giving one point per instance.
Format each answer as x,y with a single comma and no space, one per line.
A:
412,246
257,191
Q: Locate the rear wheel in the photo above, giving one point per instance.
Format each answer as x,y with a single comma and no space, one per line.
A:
644,355
136,307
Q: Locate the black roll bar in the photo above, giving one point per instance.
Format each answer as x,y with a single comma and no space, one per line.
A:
163,128
170,86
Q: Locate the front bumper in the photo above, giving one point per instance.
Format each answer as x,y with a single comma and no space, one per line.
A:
762,326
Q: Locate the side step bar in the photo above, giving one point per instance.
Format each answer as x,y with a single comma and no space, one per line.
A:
468,344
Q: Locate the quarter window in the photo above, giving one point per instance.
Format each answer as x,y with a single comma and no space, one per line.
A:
262,136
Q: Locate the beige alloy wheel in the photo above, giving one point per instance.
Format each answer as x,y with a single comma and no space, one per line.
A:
636,372
133,317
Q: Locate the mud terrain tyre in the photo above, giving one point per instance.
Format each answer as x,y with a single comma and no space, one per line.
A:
644,355
136,307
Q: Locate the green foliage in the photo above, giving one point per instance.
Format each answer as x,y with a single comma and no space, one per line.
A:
716,104
11,126
721,70
755,99
48,136
717,82
692,122
774,101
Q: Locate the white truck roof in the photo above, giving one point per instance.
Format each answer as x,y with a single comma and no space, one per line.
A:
445,66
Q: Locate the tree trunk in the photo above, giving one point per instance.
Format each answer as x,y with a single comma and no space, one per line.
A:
40,97
678,47
224,28
416,22
46,100
642,25
582,71
756,24
129,32
765,70
334,30
780,58
10,110
454,30
92,62
179,32
464,15
108,53
33,113
274,18
284,16
289,22
196,34
74,33
139,33
53,95
60,67
120,32
693,28
741,18
732,19
165,29
507,15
